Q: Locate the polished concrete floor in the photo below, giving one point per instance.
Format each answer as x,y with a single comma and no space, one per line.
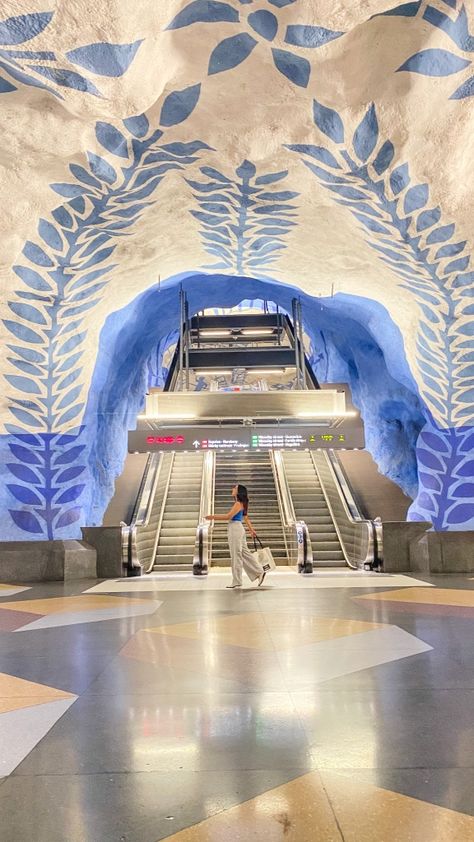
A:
170,708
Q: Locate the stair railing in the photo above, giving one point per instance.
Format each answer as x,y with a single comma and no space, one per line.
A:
355,533
296,533
202,546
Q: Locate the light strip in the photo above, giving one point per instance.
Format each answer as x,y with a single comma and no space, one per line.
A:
328,414
214,332
213,372
254,331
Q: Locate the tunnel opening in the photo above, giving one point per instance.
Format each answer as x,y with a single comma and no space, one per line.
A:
354,340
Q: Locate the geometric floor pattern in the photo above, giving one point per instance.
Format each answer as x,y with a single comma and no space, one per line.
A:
439,601
11,590
332,808
276,580
27,712
30,615
336,711
312,652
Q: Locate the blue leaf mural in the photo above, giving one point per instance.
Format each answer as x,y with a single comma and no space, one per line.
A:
204,11
17,30
67,274
434,62
265,23
328,121
262,25
6,87
231,52
102,59
105,59
301,35
444,455
179,105
66,78
295,68
366,135
244,220
438,62
412,240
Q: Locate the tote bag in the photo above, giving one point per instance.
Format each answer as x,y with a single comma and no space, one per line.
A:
263,555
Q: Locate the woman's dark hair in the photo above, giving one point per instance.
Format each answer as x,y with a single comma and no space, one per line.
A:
242,497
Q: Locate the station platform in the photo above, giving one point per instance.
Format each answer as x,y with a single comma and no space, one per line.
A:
167,707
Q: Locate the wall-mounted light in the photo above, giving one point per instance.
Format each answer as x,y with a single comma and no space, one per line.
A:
257,331
214,332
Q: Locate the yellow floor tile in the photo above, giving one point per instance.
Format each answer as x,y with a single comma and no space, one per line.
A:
298,811
367,813
267,632
69,603
18,693
425,596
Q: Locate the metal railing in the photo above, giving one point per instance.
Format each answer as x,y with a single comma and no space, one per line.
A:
202,547
355,533
144,530
296,534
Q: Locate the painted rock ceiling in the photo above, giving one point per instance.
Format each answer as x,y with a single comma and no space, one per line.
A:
325,145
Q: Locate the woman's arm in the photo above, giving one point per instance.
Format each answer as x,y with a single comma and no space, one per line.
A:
230,514
250,526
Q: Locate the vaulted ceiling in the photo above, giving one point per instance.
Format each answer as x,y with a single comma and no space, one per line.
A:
328,146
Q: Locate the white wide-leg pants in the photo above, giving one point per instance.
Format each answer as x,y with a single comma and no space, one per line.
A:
240,555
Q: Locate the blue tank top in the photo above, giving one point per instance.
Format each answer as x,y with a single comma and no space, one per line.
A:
239,516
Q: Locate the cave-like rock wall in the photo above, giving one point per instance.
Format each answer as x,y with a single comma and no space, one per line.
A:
319,145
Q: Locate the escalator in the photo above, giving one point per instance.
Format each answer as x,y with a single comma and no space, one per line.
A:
255,471
310,506
179,514
300,501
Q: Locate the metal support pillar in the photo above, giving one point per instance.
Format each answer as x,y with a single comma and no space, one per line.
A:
181,340
294,306
186,341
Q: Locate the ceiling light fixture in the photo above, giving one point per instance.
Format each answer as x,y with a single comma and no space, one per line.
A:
253,331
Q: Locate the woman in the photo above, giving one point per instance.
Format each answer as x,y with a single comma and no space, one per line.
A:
240,554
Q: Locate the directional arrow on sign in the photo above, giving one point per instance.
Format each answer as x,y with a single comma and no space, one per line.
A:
196,443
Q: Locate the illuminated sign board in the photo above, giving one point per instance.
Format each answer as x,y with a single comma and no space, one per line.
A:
246,438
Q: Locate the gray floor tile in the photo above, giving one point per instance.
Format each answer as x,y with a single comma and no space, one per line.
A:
131,807
170,732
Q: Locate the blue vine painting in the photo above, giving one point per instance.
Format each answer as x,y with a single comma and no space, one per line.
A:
256,29
63,275
245,218
443,62
42,69
412,239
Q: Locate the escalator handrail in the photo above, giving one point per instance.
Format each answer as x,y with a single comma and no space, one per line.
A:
202,558
141,511
330,459
347,497
148,489
285,502
162,510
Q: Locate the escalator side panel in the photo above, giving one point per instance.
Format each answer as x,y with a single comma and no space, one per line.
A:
127,486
